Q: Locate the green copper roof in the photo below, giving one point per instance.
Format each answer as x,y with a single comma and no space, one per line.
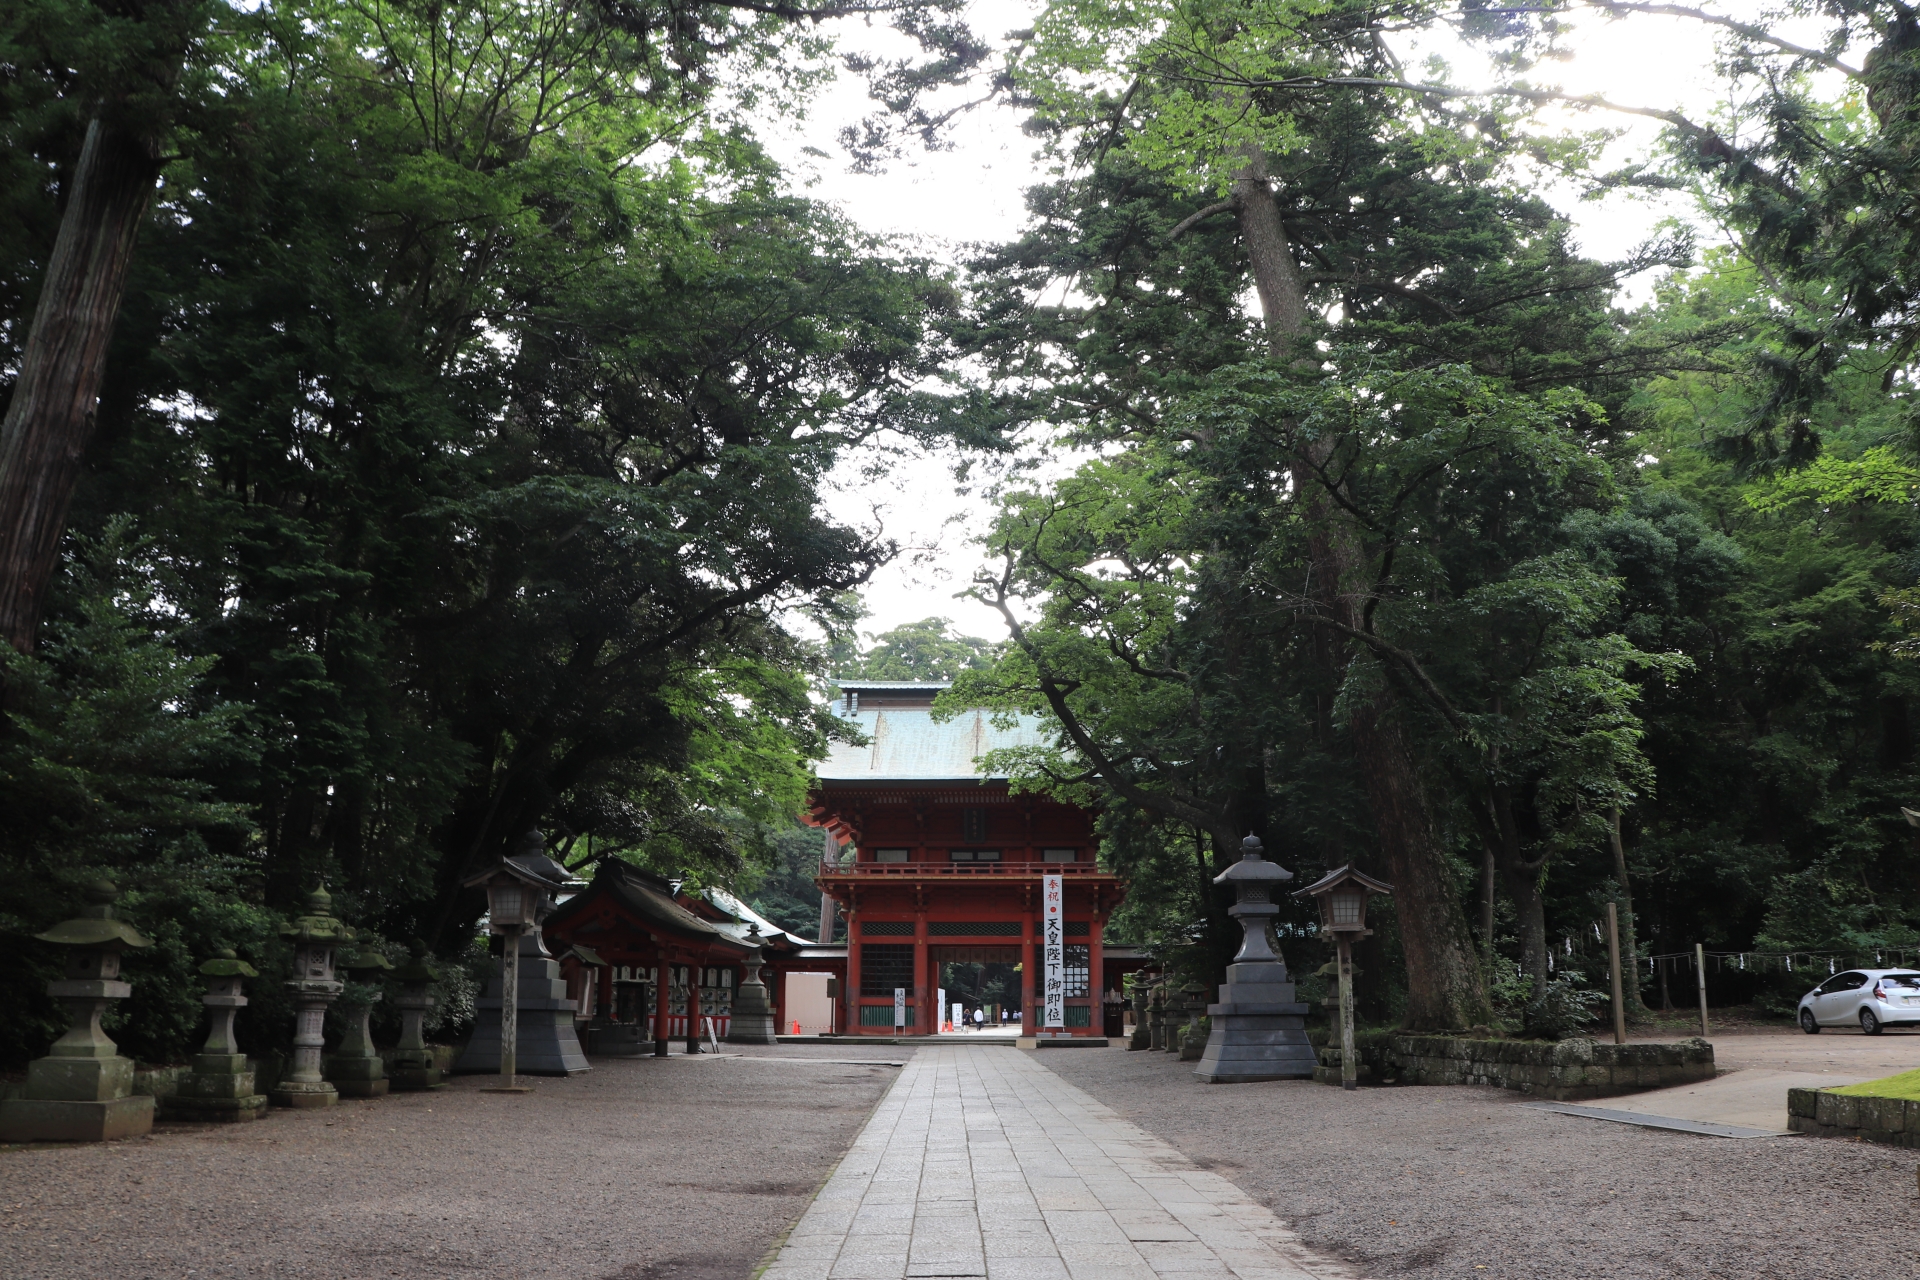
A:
906,744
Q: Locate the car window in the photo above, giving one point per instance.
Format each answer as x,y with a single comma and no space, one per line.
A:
1848,981
1830,986
1902,980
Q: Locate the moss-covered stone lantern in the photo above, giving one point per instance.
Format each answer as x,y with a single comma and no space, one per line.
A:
82,1091
316,937
413,1063
355,1067
1192,1041
220,1089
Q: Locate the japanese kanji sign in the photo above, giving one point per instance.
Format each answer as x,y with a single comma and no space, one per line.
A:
1054,957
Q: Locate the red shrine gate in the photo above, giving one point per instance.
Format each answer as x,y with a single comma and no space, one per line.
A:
946,864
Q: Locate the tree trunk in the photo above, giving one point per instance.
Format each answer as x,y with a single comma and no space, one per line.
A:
1446,987
1522,877
1523,886
51,416
1629,945
1488,876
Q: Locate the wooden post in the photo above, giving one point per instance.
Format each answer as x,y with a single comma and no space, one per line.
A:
695,972
1700,971
509,1006
662,1001
1349,1069
1613,961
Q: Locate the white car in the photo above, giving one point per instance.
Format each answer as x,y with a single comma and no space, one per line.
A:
1869,998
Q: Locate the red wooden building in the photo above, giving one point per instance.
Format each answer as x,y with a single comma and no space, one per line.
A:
619,935
939,863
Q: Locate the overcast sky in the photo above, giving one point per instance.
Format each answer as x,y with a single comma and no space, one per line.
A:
973,194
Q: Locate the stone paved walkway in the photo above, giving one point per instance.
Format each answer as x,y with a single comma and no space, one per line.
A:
980,1162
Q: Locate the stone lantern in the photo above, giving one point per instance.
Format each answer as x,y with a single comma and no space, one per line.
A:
752,1012
316,937
1142,1035
413,1064
355,1067
82,1091
220,1089
528,1013
1192,1044
1259,1032
1342,895
1172,1006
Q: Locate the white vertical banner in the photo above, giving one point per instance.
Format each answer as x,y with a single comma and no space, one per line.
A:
939,1005
899,1007
1054,959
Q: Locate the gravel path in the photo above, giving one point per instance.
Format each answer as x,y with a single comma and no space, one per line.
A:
641,1169
1472,1183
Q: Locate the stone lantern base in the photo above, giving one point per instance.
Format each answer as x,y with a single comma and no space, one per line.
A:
220,1091
304,1095
752,1019
356,1077
75,1099
547,1043
1259,1032
61,1120
414,1070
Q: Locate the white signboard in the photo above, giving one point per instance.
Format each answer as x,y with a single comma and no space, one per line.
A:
939,1003
959,1015
1054,960
899,1007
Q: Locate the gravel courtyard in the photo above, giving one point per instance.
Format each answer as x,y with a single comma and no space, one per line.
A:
1473,1184
641,1169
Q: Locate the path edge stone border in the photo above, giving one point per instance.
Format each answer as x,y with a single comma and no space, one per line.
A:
1563,1071
1822,1113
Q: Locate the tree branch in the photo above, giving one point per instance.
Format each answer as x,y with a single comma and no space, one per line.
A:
1743,29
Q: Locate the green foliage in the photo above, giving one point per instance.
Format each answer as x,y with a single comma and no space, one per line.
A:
788,895
920,650
469,409
110,754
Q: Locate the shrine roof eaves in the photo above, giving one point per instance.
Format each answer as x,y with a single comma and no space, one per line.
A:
646,897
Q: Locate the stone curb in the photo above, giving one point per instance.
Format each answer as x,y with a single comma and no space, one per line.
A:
1563,1071
1821,1113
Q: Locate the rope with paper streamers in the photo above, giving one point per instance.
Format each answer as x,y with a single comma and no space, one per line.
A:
1815,964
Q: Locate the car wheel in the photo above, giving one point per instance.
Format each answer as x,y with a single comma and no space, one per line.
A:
1807,1024
1869,1023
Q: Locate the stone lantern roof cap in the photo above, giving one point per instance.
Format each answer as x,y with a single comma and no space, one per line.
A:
367,959
95,926
417,968
318,925
1252,866
1339,876
227,963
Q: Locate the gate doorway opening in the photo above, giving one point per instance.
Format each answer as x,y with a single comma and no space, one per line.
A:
984,978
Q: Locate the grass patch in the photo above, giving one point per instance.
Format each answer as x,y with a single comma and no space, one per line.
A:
1905,1085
